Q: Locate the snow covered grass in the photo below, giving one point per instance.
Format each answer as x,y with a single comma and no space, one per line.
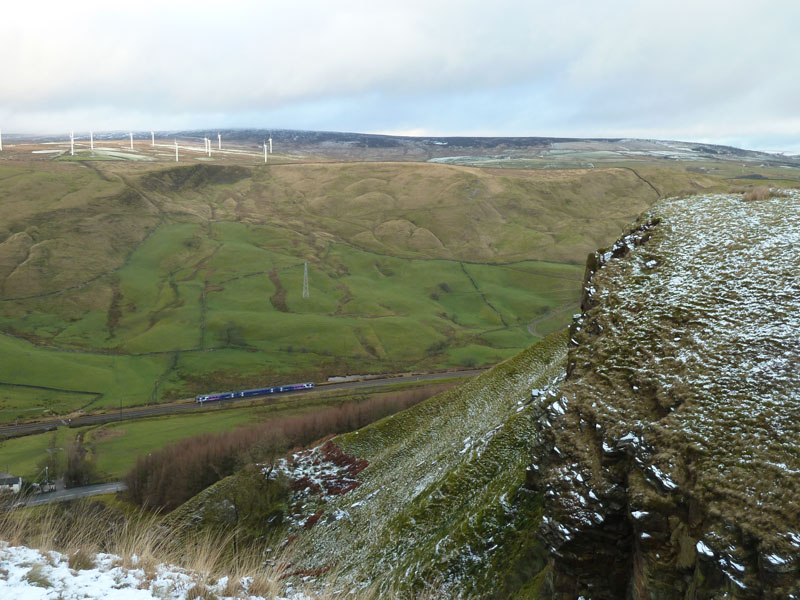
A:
81,551
442,499
30,574
85,551
686,361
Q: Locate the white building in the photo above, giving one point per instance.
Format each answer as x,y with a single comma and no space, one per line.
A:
9,483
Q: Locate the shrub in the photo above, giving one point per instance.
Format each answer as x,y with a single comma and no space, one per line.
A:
169,477
80,470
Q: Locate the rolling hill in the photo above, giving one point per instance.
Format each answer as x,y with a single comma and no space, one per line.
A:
127,283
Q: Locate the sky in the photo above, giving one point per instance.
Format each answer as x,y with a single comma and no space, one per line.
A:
700,70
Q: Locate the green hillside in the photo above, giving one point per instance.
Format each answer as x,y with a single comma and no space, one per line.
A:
127,283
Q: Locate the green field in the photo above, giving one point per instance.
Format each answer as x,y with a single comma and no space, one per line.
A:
125,284
230,313
114,447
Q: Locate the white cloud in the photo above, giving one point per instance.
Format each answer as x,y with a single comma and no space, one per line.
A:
506,67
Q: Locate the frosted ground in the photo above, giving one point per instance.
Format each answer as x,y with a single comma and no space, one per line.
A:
687,362
443,485
28,574
734,272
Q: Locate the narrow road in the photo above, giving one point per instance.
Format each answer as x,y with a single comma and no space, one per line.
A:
9,431
75,493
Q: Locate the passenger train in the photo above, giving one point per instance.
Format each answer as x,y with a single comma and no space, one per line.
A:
256,392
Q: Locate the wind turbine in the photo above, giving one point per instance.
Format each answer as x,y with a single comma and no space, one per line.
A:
219,139
1,140
153,138
91,141
176,149
131,140
72,143
270,144
265,152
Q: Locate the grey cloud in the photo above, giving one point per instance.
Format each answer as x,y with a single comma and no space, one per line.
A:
506,67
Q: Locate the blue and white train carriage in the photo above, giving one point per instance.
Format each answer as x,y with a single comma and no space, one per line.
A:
294,387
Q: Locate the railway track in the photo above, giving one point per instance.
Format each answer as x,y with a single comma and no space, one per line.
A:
23,429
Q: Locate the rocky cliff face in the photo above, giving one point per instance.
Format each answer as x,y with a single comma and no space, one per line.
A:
670,462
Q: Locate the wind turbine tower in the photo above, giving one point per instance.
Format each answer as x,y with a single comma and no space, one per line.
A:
153,138
91,141
219,140
305,280
270,145
72,143
176,150
265,152
1,140
131,140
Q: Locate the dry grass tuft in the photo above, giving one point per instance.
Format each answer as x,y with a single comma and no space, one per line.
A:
233,588
81,560
36,577
264,585
758,193
207,554
200,591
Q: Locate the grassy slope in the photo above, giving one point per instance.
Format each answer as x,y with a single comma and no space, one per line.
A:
455,212
441,500
168,264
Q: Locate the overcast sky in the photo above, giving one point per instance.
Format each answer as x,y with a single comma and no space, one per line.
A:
701,70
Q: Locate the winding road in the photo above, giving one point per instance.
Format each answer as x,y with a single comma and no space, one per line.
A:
74,493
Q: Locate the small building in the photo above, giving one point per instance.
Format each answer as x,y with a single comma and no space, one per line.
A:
10,484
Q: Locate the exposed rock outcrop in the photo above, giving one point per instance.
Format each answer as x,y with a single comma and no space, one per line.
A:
670,462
